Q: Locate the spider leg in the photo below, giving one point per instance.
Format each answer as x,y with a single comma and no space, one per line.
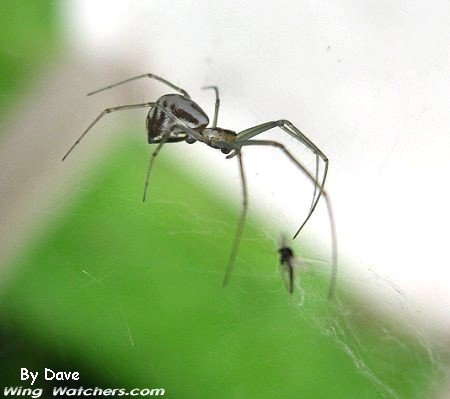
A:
240,227
315,186
333,274
187,129
164,139
217,104
146,75
290,129
102,114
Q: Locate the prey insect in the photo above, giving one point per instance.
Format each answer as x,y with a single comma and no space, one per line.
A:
175,118
289,263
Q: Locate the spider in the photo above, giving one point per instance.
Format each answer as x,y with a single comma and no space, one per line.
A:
175,118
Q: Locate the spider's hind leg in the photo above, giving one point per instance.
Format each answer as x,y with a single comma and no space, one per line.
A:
301,167
290,129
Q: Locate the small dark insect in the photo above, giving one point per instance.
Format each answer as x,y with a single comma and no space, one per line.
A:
287,265
175,118
289,262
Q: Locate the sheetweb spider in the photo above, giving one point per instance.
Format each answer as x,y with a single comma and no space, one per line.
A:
175,118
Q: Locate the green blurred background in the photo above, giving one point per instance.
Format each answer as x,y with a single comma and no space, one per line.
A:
130,295
28,36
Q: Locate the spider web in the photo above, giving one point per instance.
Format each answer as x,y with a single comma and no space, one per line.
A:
343,318
148,275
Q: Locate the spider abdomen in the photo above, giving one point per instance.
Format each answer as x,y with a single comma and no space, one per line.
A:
179,106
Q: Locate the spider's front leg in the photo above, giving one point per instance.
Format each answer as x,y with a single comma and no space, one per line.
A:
101,115
106,111
165,138
145,75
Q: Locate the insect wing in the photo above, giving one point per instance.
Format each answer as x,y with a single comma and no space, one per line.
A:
287,272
